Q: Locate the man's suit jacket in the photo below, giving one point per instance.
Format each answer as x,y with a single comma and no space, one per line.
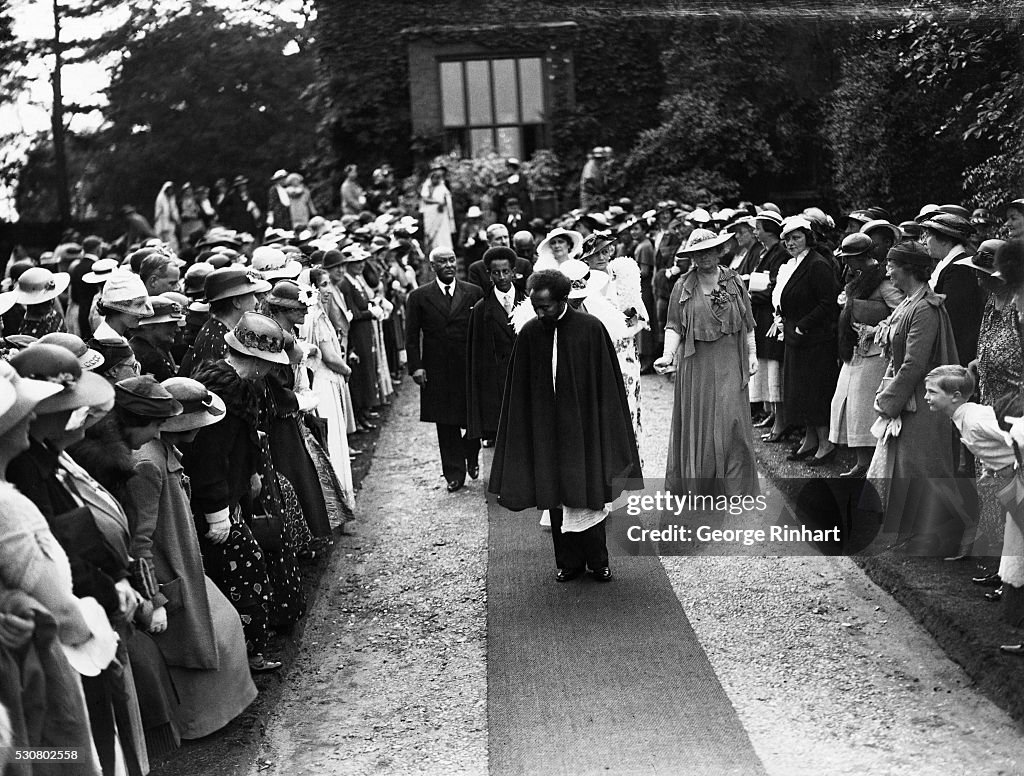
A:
489,351
477,275
965,302
436,338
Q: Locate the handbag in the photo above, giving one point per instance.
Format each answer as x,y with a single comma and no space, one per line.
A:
268,531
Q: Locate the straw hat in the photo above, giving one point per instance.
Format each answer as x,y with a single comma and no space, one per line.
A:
879,223
58,365
101,271
88,358
258,336
200,406
38,284
20,395
950,225
233,281
702,240
984,260
272,263
165,310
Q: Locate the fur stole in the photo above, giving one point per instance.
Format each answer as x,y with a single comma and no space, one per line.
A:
105,455
241,397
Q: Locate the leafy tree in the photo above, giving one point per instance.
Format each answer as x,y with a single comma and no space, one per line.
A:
734,118
231,104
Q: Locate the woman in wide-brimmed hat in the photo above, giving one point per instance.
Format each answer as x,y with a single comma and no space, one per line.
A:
913,469
806,305
196,628
34,310
225,465
709,343
559,246
36,589
947,237
288,395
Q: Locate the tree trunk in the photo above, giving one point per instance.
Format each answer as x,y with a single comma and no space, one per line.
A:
57,124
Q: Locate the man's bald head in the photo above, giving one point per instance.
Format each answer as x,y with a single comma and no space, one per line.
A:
524,244
497,235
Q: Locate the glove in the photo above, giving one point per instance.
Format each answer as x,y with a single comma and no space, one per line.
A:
158,620
128,598
220,526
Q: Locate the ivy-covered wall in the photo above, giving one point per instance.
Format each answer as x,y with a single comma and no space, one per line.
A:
606,69
363,99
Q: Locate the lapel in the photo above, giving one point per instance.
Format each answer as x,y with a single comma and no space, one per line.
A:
436,297
798,273
459,296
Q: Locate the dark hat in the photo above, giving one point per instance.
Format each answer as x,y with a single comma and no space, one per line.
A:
288,293
911,230
259,336
200,406
146,397
56,364
164,311
881,223
195,278
114,351
877,213
333,258
984,260
951,225
930,211
857,245
860,216
239,180
219,235
233,281
909,253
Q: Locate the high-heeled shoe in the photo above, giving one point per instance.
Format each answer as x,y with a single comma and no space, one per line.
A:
796,455
857,472
823,459
768,420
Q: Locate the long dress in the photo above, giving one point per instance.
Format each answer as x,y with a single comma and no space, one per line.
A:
711,445
624,292
328,387
438,216
204,645
921,504
863,365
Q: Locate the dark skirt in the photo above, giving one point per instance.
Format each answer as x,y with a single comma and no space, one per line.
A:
363,382
292,461
809,376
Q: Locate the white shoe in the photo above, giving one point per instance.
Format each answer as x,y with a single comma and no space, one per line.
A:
545,518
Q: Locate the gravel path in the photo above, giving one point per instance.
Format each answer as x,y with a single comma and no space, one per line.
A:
826,671
391,677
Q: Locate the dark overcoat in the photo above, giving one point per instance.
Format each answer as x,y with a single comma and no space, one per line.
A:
477,275
965,302
436,338
489,350
363,382
572,447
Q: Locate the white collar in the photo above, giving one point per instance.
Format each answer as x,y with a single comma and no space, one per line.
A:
443,286
511,293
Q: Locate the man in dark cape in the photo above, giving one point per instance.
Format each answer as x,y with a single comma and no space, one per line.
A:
565,443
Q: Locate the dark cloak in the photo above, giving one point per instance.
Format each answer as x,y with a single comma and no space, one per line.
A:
572,448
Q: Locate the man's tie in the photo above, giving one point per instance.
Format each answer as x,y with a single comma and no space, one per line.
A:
448,296
506,302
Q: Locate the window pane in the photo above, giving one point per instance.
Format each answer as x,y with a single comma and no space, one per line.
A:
478,80
506,100
508,142
453,96
531,80
482,141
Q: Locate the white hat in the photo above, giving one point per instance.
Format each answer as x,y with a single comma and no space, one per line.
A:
272,263
698,216
38,284
125,292
92,656
575,243
702,240
474,211
584,281
793,223
101,271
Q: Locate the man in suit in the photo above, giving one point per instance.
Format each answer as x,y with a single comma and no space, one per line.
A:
437,329
497,237
491,337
